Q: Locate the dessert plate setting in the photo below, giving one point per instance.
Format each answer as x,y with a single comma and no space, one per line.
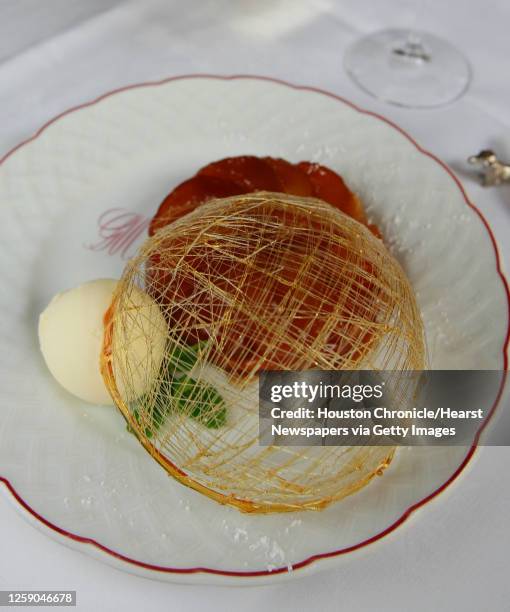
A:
77,200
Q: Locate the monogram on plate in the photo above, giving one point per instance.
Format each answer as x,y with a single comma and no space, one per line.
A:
118,231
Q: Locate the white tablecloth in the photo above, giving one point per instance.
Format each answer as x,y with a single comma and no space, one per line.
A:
59,53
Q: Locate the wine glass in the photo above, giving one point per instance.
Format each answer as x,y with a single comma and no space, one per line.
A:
408,68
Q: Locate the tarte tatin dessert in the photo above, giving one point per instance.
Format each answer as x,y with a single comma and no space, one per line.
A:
252,264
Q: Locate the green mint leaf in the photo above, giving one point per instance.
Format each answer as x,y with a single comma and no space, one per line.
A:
184,358
200,401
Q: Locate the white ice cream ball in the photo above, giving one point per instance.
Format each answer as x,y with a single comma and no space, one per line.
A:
71,338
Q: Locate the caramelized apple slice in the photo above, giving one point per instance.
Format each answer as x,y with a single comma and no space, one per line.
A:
190,194
246,174
249,172
293,180
328,186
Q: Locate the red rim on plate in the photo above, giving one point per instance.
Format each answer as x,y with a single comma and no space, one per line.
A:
308,561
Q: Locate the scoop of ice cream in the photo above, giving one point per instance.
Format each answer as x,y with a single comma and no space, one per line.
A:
71,339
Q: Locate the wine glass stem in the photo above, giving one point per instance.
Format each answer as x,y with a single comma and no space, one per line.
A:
412,49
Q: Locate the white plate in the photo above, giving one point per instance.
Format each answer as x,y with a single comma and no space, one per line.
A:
75,471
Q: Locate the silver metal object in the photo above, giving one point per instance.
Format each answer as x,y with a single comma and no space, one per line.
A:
492,170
